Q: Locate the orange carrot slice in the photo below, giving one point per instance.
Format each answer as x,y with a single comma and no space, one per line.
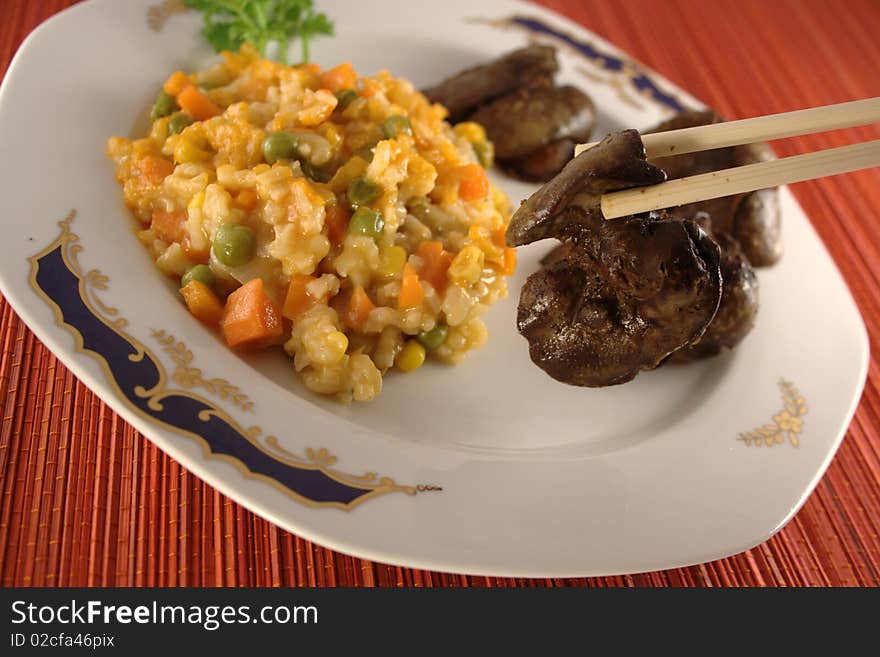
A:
169,226
359,307
340,77
436,263
411,292
202,302
250,319
195,103
474,183
509,262
298,298
176,82
336,219
153,169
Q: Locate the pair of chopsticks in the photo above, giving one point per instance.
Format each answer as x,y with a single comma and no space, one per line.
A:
751,177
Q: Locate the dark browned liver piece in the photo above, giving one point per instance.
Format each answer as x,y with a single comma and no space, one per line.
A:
464,92
752,219
739,301
535,130
623,294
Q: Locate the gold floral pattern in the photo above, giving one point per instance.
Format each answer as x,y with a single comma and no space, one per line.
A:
191,377
619,81
787,424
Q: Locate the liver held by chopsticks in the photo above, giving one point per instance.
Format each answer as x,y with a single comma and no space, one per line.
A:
625,295
753,219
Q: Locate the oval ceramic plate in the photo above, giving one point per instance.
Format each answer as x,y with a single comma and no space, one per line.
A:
489,467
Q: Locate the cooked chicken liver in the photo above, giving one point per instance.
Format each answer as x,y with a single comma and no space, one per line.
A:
739,301
521,122
752,219
622,294
462,93
542,164
533,124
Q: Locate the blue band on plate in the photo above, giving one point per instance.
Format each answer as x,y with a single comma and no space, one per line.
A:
139,379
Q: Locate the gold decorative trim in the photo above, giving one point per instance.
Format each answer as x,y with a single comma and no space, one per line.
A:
318,460
787,423
95,280
619,82
158,14
191,377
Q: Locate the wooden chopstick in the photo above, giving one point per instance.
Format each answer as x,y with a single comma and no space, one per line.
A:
752,177
761,128
739,180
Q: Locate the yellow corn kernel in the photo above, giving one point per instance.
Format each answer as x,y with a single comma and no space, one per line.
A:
467,266
159,130
141,147
410,357
449,151
331,133
346,173
196,201
187,150
391,260
473,132
334,346
481,237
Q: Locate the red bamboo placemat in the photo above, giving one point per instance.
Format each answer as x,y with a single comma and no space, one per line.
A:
87,500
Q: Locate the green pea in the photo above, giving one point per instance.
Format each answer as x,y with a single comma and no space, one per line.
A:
163,106
433,338
178,122
395,125
362,191
365,154
279,146
367,222
345,96
485,154
200,273
234,245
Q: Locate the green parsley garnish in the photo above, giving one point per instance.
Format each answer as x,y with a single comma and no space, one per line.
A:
230,23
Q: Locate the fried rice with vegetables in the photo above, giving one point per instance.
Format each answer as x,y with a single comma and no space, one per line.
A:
339,216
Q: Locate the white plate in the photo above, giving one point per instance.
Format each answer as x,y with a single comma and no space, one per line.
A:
490,467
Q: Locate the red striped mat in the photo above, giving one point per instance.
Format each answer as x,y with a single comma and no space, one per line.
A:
86,500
